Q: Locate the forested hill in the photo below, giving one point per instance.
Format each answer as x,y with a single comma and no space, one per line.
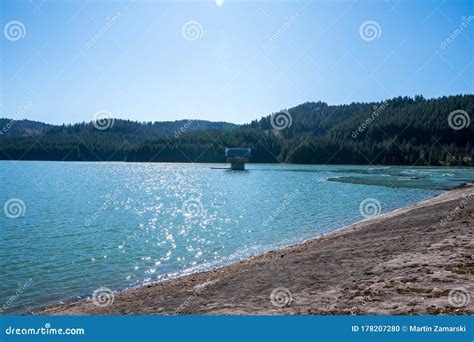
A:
108,139
401,130
109,126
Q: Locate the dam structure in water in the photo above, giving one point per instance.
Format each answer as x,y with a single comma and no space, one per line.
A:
237,157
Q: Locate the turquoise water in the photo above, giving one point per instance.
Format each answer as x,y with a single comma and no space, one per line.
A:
118,225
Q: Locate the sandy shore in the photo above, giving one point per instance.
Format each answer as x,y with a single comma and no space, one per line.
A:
403,262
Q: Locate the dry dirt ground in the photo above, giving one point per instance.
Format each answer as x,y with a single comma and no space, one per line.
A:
416,260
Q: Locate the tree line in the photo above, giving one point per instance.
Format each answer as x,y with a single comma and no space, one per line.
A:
398,131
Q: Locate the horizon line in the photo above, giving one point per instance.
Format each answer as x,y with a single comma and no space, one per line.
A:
234,123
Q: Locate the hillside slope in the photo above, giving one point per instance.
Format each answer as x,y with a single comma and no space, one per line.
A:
402,130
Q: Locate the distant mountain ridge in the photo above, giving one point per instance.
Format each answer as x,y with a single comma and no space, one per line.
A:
157,128
10,127
398,131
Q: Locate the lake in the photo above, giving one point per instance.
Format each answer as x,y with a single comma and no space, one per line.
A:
68,228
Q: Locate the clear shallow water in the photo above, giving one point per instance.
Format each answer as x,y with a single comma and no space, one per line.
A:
117,225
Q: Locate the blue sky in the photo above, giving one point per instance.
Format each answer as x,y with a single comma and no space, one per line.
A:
136,59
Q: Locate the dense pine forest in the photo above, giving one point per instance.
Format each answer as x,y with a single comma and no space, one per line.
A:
399,131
